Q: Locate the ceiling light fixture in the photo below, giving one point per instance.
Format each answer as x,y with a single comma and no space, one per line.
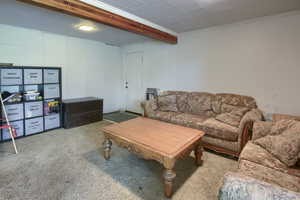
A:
86,28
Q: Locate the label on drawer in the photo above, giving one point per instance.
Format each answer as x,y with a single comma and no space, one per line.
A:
18,126
33,109
51,91
52,121
11,77
33,76
14,112
34,125
51,75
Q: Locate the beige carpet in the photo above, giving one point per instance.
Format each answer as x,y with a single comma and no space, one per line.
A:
67,164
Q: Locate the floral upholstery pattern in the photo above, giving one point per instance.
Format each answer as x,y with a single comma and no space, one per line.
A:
270,175
167,103
285,146
221,116
237,186
216,129
280,138
189,120
257,154
261,129
200,103
238,100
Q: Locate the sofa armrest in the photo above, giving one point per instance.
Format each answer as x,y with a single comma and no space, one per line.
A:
149,106
246,126
237,186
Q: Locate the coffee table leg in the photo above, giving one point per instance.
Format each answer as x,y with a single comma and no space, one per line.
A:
198,154
169,176
107,148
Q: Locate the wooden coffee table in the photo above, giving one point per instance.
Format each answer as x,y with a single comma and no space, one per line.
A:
155,140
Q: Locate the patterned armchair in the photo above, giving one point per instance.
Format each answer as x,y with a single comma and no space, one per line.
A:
268,165
227,119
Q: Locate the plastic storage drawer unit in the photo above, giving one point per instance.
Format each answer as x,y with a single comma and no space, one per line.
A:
34,125
33,76
51,76
51,91
14,112
52,121
11,76
33,109
18,126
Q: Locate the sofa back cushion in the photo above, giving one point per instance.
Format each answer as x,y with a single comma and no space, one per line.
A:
167,103
233,103
234,117
200,103
285,144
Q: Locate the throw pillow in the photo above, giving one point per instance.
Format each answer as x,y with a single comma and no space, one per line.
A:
167,103
282,125
285,147
229,118
234,117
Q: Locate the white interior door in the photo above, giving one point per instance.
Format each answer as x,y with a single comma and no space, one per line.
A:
133,82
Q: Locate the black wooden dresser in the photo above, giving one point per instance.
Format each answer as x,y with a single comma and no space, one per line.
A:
81,111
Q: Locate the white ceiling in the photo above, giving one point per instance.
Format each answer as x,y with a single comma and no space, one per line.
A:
27,16
177,15
185,15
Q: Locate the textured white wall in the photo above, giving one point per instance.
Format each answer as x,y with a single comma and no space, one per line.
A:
260,58
89,68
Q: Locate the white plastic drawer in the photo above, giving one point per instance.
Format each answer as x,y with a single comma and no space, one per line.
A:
14,112
52,121
51,91
34,125
11,77
18,126
33,76
51,76
33,109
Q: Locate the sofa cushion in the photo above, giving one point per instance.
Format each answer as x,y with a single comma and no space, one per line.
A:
261,129
214,128
216,104
163,116
189,120
229,118
269,175
257,154
285,147
234,117
182,102
238,100
200,103
282,125
167,103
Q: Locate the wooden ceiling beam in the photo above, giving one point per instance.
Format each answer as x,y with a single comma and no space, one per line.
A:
87,11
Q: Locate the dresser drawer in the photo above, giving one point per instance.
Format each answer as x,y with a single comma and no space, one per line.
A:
51,76
14,112
18,126
34,125
33,109
52,121
51,91
11,76
33,76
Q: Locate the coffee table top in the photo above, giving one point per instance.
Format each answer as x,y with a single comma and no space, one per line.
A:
165,138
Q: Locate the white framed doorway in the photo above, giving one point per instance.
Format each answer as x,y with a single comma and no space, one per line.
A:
134,91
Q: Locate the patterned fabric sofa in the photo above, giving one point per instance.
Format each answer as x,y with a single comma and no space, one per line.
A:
272,158
227,119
